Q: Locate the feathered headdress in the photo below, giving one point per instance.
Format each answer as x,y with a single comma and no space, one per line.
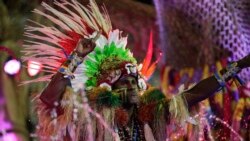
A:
51,45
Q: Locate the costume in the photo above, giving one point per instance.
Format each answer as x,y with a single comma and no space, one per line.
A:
95,74
80,102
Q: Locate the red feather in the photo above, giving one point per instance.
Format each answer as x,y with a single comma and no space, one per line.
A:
121,117
147,69
146,112
148,58
69,44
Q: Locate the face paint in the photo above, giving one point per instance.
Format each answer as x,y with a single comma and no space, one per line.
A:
127,86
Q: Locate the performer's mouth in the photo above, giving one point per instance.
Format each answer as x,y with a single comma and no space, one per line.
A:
133,92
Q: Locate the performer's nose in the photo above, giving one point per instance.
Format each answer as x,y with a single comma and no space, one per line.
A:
131,83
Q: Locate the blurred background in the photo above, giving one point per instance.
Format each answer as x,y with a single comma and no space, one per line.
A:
196,37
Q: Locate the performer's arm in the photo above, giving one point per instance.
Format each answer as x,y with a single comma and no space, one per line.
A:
53,93
207,87
55,89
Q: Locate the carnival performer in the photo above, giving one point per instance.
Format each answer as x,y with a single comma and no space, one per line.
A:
97,90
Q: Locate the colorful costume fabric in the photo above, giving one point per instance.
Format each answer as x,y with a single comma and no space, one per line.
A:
109,120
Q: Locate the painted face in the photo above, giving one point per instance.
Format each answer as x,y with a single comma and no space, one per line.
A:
128,88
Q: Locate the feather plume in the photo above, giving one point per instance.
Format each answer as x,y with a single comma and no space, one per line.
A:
147,60
147,69
50,45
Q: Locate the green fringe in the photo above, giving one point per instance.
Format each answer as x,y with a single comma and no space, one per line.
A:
108,99
111,99
154,95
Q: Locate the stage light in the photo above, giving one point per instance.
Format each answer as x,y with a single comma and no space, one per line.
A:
34,68
12,66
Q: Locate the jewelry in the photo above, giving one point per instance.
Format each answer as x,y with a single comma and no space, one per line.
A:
231,71
75,60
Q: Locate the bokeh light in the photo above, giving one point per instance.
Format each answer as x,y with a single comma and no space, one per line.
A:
34,68
12,67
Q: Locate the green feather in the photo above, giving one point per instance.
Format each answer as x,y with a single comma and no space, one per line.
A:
154,95
98,50
94,65
109,99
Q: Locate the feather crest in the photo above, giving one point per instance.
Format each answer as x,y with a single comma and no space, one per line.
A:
50,45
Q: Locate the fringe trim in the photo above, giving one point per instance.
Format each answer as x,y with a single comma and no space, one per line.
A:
56,127
64,127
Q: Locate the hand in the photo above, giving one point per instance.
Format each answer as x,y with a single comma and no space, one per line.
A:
244,62
84,47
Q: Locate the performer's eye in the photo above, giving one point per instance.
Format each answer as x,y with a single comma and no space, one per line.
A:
133,81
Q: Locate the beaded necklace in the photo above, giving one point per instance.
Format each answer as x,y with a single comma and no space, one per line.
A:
133,133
